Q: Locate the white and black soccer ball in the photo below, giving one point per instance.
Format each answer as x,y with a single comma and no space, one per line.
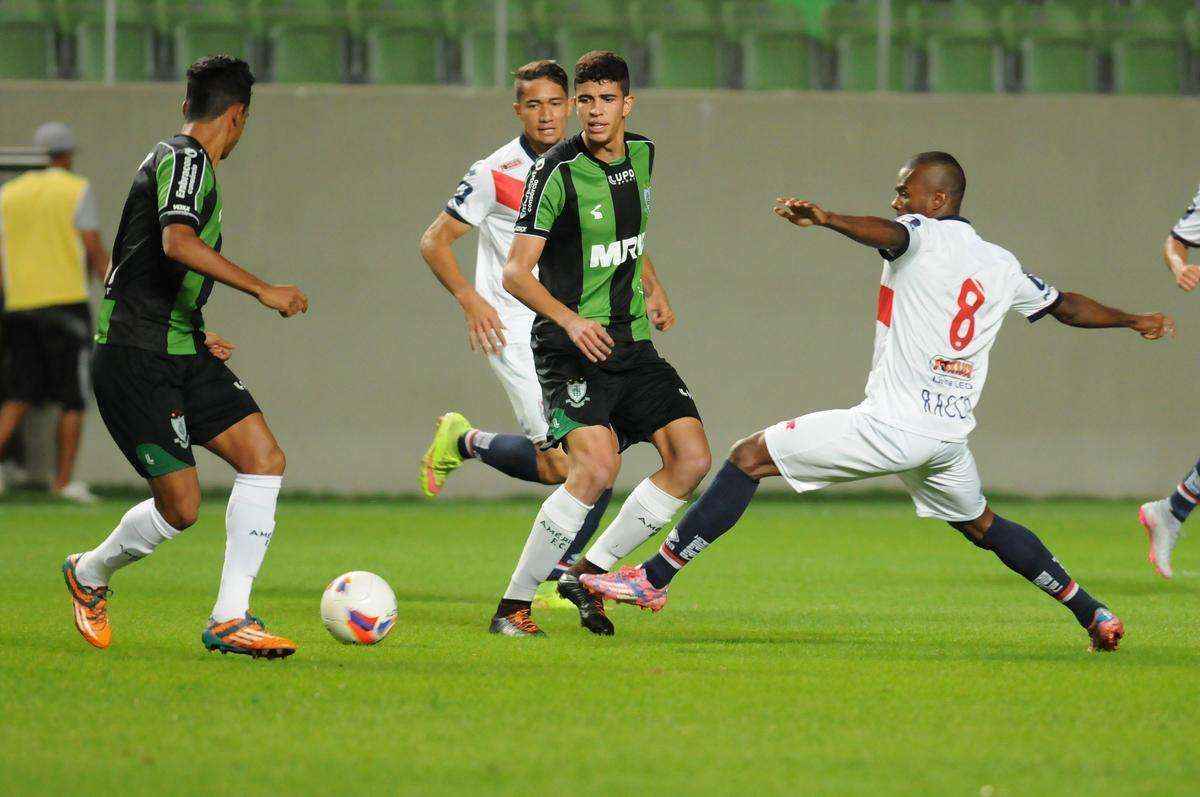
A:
358,608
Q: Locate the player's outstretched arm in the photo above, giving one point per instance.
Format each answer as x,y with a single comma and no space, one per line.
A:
1175,255
591,338
658,306
871,231
1077,310
485,330
181,244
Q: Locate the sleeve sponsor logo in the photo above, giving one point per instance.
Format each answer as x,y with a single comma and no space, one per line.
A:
462,192
531,193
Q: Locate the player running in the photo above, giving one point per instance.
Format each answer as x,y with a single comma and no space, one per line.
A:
944,295
160,378
498,325
1163,519
583,225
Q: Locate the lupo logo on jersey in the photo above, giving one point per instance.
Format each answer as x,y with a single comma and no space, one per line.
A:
617,252
623,177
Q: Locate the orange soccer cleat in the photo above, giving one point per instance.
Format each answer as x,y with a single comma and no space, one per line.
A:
90,605
247,636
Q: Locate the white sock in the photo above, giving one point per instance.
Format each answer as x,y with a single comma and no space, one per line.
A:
140,531
249,524
645,512
554,529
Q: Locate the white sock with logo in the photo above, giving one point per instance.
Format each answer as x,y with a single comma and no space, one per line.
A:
141,530
249,524
645,512
554,529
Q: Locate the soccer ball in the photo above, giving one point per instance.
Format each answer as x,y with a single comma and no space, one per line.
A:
358,608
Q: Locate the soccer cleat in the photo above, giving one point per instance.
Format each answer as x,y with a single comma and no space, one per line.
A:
591,607
247,636
1106,630
77,492
442,457
627,585
547,597
90,605
1162,529
519,623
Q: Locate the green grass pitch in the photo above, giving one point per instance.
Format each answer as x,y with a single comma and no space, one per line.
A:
823,647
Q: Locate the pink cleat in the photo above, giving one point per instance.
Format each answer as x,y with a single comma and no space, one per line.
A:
627,585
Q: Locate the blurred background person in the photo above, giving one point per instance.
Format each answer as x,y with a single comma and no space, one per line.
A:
49,243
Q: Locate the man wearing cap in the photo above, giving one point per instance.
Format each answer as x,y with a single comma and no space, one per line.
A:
49,228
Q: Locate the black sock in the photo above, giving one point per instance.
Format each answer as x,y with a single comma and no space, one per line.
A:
590,524
1021,550
1183,500
713,514
512,454
507,607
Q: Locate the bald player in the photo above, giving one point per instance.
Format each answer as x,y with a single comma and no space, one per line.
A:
944,294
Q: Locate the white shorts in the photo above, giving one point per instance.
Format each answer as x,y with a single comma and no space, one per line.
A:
825,448
514,368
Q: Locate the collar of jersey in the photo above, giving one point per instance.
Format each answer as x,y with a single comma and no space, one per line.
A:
955,218
608,167
198,145
533,156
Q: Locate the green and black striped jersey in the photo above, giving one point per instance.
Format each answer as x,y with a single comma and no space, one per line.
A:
593,216
150,301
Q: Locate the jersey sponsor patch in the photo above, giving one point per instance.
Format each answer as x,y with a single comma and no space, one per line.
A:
508,190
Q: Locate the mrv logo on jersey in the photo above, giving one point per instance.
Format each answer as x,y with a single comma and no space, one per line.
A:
617,252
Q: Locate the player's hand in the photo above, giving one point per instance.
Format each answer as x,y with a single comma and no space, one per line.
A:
591,338
217,346
1187,277
287,300
1153,326
658,309
800,212
485,330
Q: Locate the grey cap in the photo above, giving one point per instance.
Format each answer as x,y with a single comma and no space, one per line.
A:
54,137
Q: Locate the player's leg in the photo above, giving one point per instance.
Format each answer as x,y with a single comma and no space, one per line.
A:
948,488
21,372
594,461
1163,520
228,422
65,336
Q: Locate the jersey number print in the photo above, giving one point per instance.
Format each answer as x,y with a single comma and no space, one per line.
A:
962,327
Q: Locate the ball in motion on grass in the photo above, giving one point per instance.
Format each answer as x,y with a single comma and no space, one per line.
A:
358,608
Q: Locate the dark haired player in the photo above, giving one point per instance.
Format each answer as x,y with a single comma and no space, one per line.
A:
583,225
160,378
944,295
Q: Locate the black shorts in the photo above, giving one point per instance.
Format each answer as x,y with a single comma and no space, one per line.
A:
635,392
43,354
156,405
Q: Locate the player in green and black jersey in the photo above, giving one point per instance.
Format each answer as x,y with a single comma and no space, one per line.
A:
583,224
160,378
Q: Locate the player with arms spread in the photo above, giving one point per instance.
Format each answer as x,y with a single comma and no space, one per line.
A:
944,295
583,225
498,325
1163,519
160,378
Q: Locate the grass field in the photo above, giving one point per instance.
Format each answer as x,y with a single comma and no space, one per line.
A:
825,647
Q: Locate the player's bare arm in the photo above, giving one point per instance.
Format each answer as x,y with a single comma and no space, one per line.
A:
1175,255
658,306
181,244
872,231
1077,310
485,330
591,338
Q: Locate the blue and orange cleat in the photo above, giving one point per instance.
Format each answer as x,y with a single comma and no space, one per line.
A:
90,605
1106,630
627,585
247,636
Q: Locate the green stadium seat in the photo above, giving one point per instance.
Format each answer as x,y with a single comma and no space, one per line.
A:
580,26
776,50
134,44
26,41
684,40
1056,44
851,30
207,27
1147,49
403,39
307,39
476,19
963,45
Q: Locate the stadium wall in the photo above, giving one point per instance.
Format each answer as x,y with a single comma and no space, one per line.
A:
332,187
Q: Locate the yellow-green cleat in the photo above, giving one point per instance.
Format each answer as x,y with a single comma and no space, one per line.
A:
442,457
547,597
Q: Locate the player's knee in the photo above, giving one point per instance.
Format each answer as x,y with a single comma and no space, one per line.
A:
693,466
266,461
747,455
180,512
597,473
552,467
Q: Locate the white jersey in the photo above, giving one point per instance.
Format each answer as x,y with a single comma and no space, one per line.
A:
488,197
1187,229
941,303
